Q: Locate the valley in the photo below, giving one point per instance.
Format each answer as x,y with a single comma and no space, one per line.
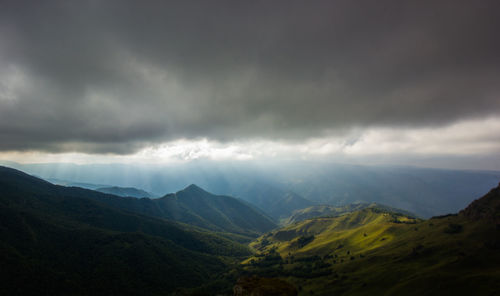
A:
249,148
377,253
61,240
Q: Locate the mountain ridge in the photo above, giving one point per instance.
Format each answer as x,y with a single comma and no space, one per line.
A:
60,240
426,192
372,252
220,213
125,191
335,211
223,212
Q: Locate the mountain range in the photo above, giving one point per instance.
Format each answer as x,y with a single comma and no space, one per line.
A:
200,208
59,240
373,251
423,191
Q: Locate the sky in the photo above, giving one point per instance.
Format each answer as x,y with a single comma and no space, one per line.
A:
379,82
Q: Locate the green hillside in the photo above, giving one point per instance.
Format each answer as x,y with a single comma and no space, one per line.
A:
320,236
333,211
55,240
375,252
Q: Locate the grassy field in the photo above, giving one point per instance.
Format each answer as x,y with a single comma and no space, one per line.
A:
371,252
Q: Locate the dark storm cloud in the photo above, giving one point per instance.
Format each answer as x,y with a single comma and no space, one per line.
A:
110,76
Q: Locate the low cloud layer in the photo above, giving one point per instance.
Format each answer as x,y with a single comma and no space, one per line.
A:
119,76
473,144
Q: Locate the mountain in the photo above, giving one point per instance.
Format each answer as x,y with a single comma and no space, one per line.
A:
196,206
200,208
60,240
424,191
325,232
275,202
377,252
115,190
486,208
74,184
125,191
332,211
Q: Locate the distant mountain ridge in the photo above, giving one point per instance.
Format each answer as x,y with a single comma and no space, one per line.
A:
126,191
426,192
423,191
66,183
277,203
115,190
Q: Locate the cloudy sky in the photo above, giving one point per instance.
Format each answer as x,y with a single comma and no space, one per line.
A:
110,81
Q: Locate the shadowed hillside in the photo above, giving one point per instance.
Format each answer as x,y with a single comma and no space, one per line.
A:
59,240
486,208
225,213
197,207
192,205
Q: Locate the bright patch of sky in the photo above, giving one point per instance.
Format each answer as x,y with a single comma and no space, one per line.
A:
462,139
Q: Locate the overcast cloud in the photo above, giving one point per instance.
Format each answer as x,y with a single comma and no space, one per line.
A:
121,76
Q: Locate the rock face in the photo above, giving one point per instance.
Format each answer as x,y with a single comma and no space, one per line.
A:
485,208
257,286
